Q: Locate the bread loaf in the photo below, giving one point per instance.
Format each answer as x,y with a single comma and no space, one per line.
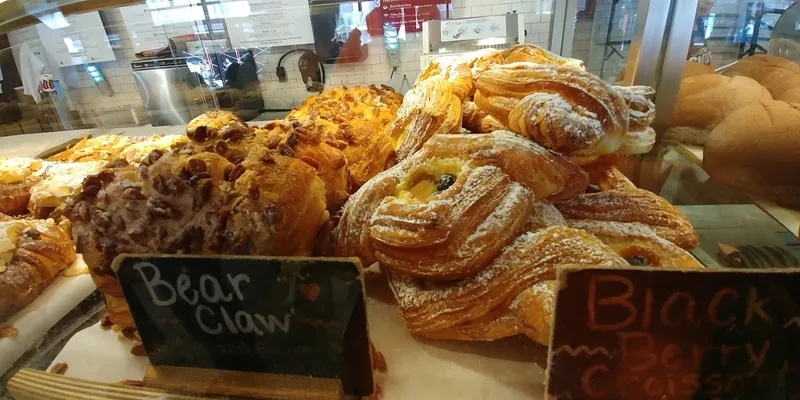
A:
757,149
705,100
694,69
776,74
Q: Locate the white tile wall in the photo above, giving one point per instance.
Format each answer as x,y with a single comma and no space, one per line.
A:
85,97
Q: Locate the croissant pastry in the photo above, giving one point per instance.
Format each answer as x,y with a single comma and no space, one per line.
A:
450,209
188,201
562,108
620,201
640,137
482,307
478,121
102,148
534,54
463,70
431,108
32,253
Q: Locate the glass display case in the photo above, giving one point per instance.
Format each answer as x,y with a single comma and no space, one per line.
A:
390,198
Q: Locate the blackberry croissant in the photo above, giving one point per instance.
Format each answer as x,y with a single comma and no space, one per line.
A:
449,210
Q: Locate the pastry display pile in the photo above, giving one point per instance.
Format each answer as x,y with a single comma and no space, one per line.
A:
469,227
468,191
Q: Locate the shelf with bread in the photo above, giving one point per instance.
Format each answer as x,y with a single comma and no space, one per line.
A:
743,125
462,197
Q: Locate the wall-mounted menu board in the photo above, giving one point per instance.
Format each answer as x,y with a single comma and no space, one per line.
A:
151,29
272,23
75,39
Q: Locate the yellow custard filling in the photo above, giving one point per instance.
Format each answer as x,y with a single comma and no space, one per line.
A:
423,182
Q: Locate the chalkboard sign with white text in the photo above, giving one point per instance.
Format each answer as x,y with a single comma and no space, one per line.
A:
646,334
287,316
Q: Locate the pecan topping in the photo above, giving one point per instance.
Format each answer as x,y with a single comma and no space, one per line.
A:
286,150
199,134
151,158
270,125
220,148
294,138
204,190
310,161
118,163
197,166
161,209
160,185
233,132
348,97
237,172
273,141
133,193
196,178
267,159
106,176
184,174
227,172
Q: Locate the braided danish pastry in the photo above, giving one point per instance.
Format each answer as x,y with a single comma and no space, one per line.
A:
478,121
376,104
534,54
101,148
431,108
482,307
620,201
191,202
640,137
450,209
560,107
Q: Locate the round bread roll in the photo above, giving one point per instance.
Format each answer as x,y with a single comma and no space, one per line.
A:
757,149
694,69
705,100
776,74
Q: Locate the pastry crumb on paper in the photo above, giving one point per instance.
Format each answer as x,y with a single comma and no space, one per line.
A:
8,331
59,368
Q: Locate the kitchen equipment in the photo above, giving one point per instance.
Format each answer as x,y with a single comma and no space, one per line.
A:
455,37
171,93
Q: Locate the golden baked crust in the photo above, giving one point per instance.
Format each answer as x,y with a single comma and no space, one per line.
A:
32,253
17,177
193,202
461,71
471,309
640,137
59,182
534,54
478,121
377,104
102,148
224,133
312,143
137,152
562,108
637,243
409,221
431,108
621,201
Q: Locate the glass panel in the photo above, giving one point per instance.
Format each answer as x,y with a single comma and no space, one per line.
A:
735,105
603,32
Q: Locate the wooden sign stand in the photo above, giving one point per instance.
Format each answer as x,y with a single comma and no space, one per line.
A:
242,384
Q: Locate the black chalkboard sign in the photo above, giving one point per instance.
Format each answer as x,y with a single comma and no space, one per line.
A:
287,316
644,334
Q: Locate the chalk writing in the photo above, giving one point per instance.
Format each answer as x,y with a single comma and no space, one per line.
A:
656,334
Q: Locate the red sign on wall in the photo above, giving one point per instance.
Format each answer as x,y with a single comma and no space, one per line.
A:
411,13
